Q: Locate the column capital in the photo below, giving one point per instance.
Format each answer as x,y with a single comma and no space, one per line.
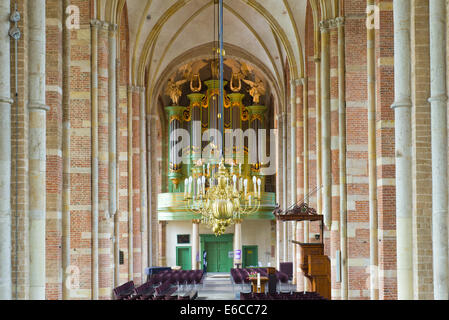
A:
340,21
332,23
95,23
300,81
238,221
140,89
105,25
38,106
324,26
113,27
196,221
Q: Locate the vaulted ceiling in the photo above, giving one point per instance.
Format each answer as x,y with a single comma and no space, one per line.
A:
269,32
160,31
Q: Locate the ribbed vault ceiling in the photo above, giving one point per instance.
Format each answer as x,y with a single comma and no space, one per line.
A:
162,30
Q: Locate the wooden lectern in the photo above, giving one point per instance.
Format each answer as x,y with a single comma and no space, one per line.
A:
315,265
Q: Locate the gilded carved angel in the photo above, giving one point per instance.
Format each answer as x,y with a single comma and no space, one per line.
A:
174,91
257,89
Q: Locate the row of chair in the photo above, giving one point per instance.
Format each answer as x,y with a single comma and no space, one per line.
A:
240,276
281,296
152,290
180,277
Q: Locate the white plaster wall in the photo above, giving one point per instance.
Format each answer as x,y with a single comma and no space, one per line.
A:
258,233
254,233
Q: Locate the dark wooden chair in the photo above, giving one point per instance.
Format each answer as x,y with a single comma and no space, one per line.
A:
144,292
125,291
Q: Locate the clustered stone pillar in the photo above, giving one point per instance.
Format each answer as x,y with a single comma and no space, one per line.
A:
238,242
143,180
437,18
326,125
372,162
284,185
293,171
112,120
403,126
37,147
151,188
5,154
319,154
342,157
95,25
195,243
162,243
305,88
130,187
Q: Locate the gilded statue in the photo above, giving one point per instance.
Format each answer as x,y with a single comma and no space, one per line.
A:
174,91
257,89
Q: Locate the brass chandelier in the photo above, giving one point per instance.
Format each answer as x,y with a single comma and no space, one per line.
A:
222,196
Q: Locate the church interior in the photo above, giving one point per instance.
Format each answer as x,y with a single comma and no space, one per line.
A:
224,150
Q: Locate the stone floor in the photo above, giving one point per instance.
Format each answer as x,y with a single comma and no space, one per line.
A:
218,286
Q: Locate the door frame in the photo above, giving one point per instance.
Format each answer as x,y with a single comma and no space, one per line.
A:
243,254
177,254
204,238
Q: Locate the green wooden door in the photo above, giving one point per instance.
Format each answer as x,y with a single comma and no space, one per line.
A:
184,257
250,256
212,256
224,261
218,249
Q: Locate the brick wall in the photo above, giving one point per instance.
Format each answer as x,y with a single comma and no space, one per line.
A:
54,148
80,150
422,152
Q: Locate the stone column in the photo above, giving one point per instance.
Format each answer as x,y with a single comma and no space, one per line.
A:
326,125
293,171
238,241
130,187
342,160
305,88
195,243
278,244
95,25
319,157
37,146
284,185
66,158
150,191
143,180
112,121
437,18
305,106
372,162
403,126
162,243
5,154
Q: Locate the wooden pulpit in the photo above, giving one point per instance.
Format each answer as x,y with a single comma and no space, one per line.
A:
317,268
315,265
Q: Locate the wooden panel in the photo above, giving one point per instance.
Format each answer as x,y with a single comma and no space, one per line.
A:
310,249
319,266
